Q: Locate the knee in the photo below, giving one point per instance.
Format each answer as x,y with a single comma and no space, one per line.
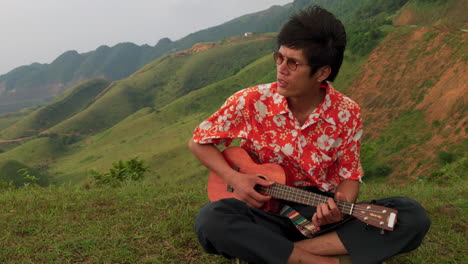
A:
213,218
412,217
415,223
205,220
419,218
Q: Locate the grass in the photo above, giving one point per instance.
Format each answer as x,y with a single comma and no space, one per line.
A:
349,71
152,221
392,141
9,119
447,207
428,12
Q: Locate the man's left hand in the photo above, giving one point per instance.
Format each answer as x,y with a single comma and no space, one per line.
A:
328,213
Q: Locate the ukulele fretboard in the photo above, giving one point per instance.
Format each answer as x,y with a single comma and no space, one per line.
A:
292,194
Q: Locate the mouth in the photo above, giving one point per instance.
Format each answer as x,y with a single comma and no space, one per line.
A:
282,83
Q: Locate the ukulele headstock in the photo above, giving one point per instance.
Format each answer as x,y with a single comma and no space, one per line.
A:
375,215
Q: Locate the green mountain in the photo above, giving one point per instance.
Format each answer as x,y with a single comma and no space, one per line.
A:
37,84
170,95
73,101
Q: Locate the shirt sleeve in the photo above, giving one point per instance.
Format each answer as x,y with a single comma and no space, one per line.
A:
348,165
225,124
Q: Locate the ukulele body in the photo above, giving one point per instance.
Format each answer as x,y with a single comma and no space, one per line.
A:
240,160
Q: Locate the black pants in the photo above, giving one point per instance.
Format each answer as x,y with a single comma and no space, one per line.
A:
231,228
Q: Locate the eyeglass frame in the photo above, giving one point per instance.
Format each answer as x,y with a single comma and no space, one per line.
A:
277,55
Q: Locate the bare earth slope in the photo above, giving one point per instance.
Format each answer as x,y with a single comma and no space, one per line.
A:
416,69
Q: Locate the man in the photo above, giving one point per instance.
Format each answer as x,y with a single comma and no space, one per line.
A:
313,132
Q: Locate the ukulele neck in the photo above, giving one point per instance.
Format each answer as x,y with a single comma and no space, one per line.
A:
292,194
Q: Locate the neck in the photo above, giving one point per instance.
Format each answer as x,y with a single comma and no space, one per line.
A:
303,106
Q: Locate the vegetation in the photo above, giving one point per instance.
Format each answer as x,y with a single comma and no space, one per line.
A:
121,171
70,103
365,29
161,82
151,222
443,12
14,174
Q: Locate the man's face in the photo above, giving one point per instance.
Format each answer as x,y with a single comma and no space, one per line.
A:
298,82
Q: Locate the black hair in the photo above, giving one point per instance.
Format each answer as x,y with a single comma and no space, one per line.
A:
319,34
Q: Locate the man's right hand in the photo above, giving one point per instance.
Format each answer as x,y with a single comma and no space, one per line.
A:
244,188
243,184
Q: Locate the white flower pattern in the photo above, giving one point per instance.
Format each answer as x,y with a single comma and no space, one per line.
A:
287,149
279,120
344,116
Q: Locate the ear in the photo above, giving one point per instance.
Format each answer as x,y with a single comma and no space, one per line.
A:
323,73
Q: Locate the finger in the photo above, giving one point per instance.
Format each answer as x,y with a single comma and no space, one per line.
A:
261,198
335,214
326,213
255,204
340,196
319,215
314,220
263,180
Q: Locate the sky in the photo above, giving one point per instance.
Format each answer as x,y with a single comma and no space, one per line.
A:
40,31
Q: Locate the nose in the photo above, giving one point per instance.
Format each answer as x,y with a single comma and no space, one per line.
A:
283,67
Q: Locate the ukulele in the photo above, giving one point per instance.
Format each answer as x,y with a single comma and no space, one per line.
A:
374,215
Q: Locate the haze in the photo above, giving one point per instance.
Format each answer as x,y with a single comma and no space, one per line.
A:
40,31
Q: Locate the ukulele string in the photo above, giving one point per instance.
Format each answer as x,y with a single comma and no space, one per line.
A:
303,196
307,197
314,199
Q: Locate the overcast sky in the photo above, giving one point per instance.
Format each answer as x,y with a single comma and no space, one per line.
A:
41,30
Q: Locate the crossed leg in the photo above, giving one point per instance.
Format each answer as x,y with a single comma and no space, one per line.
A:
318,250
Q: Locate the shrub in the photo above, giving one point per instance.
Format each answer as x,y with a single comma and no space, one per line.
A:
446,157
28,178
378,171
121,171
6,185
454,170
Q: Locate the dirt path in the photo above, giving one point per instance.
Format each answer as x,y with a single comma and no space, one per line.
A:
14,140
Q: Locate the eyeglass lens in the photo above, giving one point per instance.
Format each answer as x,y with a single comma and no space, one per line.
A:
291,63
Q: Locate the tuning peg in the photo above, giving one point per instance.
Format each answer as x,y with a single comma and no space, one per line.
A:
382,232
367,226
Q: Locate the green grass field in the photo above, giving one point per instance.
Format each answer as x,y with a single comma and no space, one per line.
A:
152,221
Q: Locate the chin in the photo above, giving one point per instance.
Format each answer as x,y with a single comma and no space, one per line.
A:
284,92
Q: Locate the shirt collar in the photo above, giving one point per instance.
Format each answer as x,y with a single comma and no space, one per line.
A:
321,112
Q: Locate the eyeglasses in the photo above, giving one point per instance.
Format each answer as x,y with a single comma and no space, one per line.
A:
291,63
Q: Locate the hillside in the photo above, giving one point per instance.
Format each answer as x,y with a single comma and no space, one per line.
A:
38,84
175,89
75,100
451,13
412,91
163,81
187,68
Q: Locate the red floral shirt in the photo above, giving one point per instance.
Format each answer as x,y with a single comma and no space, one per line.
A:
322,152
